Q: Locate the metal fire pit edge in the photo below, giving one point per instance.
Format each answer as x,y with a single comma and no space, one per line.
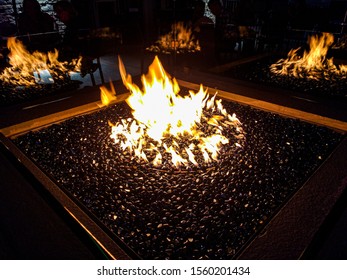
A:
286,236
84,219
290,232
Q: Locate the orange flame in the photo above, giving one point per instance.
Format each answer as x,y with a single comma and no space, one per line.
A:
25,65
162,118
107,96
313,64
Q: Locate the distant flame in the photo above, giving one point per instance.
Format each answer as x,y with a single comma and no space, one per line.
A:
313,64
165,122
26,67
179,39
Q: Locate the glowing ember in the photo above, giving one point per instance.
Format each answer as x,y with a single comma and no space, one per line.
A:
30,68
312,64
180,40
187,128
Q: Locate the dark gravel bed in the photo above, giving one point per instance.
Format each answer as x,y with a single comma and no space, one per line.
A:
207,212
11,95
258,71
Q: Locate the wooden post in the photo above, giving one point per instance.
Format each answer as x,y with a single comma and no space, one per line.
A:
15,14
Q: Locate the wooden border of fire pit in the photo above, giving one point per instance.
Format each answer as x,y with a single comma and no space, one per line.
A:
41,122
288,233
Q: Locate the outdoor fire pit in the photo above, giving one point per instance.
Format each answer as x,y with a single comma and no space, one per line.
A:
312,71
189,213
179,40
30,76
194,209
178,46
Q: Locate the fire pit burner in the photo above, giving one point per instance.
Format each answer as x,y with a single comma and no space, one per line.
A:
207,212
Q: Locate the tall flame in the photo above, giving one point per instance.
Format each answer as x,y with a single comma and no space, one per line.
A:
165,122
312,64
24,65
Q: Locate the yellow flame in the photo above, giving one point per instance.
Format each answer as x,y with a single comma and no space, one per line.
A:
107,96
312,64
162,118
24,64
179,39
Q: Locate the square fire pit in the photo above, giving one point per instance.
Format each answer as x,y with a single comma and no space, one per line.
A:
220,210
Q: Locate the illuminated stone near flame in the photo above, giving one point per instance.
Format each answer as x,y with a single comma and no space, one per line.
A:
164,122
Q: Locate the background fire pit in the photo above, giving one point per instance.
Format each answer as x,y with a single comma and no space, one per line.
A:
258,71
31,75
211,212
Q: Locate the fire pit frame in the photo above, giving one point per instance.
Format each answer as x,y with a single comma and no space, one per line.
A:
286,236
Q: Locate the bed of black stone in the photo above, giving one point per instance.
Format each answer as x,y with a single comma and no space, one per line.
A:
11,95
206,212
258,71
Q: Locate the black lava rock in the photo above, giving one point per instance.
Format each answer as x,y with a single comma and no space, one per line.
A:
206,212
